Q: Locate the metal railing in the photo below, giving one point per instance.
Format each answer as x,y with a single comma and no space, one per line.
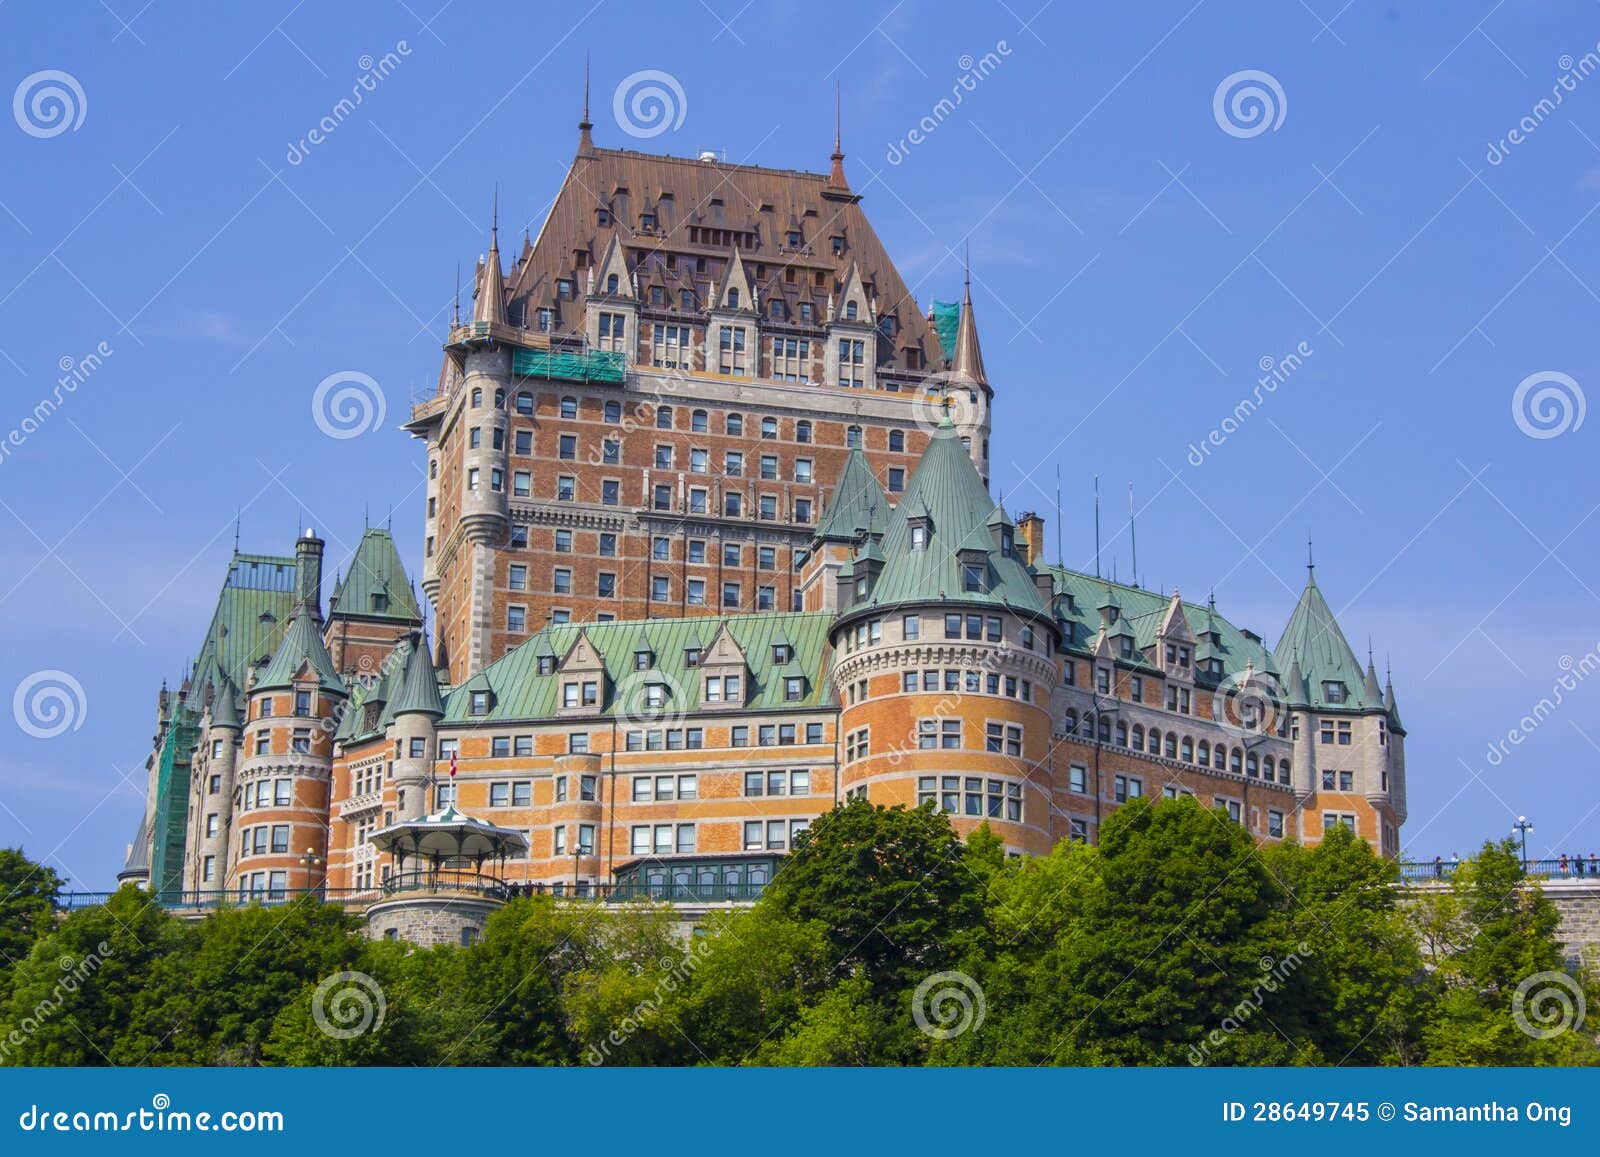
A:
1573,868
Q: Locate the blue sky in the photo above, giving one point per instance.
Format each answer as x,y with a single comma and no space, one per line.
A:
1136,255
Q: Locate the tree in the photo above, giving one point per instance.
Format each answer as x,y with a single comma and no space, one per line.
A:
73,999
28,894
891,888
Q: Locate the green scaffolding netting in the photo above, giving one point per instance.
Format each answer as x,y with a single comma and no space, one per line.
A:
569,365
946,319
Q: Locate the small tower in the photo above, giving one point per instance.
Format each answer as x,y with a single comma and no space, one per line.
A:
219,761
968,385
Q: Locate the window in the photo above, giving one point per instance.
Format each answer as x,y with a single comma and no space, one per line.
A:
1275,823
516,618
1126,787
939,733
897,479
802,430
569,407
566,488
1078,778
1003,738
561,581
769,428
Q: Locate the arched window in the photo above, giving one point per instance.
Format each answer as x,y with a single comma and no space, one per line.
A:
736,425
778,311
1269,767
1138,737
1188,749
1235,759
1105,729
849,311
613,411
1155,741
525,403
1070,722
569,407
477,396
852,437
733,299
897,441
499,399
664,418
1252,766
1283,771
1169,745
769,428
1205,753
1088,725
611,283
1219,758
699,422
1122,733
802,431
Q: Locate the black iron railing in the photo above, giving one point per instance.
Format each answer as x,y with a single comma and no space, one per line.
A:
1572,868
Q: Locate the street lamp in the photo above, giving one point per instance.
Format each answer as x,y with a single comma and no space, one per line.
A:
311,862
1523,826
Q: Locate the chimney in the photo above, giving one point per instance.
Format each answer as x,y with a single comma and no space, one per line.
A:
1030,538
308,576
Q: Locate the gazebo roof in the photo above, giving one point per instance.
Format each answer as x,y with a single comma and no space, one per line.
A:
448,835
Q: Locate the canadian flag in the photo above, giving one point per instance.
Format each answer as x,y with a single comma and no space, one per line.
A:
452,765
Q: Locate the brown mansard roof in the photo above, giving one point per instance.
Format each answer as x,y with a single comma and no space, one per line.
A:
759,207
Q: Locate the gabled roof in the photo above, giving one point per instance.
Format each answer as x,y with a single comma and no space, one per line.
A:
519,692
301,651
1313,639
858,505
946,485
375,586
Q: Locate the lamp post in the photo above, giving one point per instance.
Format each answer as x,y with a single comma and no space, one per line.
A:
1522,827
311,862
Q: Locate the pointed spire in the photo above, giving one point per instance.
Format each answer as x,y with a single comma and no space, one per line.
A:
419,693
455,318
225,711
1311,561
489,302
836,177
967,364
585,140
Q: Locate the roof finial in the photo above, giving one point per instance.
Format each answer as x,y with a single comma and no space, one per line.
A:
836,178
966,268
237,513
585,141
1311,558
494,219
456,317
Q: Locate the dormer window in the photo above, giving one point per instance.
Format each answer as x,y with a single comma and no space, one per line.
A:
644,660
302,703
655,696
602,217
1126,647
794,688
733,299
972,575
479,703
691,656
564,289
794,239
380,602
782,652
547,664
805,312
919,536
838,246
1333,691
611,283
647,220
1007,542
849,311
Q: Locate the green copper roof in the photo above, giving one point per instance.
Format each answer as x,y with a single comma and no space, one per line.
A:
858,505
250,619
946,490
1393,707
301,648
1142,612
519,692
225,707
1314,641
419,689
375,587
